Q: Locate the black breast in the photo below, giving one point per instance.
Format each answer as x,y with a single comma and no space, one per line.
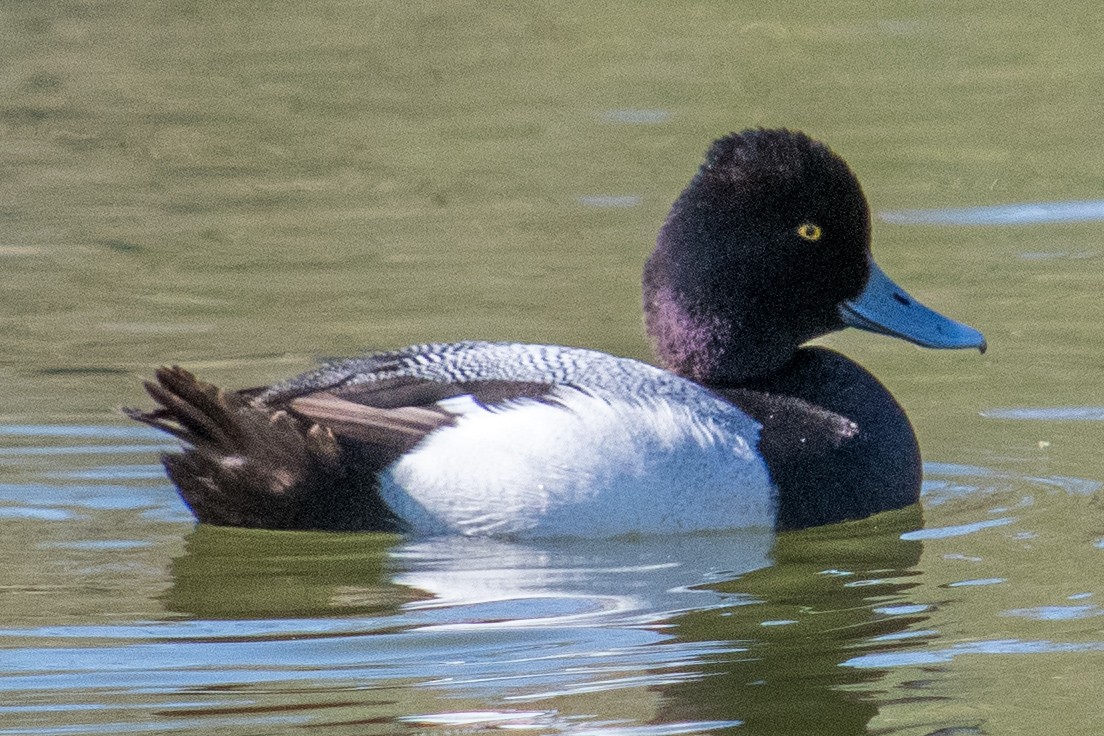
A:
837,444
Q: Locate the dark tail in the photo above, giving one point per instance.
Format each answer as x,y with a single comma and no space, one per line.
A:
249,465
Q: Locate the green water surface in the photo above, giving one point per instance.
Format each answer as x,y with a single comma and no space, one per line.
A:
247,187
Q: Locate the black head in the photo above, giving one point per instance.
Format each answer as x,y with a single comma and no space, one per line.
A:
756,257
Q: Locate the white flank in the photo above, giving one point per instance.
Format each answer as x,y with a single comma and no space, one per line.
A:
583,467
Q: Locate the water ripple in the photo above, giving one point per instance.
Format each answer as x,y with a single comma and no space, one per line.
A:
1049,413
916,658
957,483
958,530
92,431
1056,613
83,450
1024,213
976,582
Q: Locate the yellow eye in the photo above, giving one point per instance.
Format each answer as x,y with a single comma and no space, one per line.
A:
809,231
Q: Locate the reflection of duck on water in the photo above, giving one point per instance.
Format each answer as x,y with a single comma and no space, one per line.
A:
688,629
767,248
831,594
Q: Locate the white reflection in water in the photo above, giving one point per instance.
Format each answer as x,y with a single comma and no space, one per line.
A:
958,530
1023,213
977,582
631,580
97,431
549,721
1049,414
1056,613
946,481
940,656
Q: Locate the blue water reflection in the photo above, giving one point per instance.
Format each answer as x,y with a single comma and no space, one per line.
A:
1026,213
915,658
1048,414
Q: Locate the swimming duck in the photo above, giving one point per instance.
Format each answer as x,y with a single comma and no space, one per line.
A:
742,425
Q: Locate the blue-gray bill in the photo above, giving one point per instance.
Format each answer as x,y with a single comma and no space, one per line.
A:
886,308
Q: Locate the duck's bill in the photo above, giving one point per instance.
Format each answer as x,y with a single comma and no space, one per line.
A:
886,308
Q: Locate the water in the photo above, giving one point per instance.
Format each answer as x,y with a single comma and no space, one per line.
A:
244,188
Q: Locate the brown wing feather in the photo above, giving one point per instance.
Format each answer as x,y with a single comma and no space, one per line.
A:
396,430
310,461
257,466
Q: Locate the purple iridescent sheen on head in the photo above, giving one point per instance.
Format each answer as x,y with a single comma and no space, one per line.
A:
692,346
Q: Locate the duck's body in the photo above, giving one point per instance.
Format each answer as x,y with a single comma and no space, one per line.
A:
767,248
543,440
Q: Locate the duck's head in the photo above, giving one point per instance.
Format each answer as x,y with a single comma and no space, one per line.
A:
766,248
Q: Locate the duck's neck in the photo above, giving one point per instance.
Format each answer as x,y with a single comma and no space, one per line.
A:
709,346
706,316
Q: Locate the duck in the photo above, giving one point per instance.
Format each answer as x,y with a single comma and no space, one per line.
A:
739,424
